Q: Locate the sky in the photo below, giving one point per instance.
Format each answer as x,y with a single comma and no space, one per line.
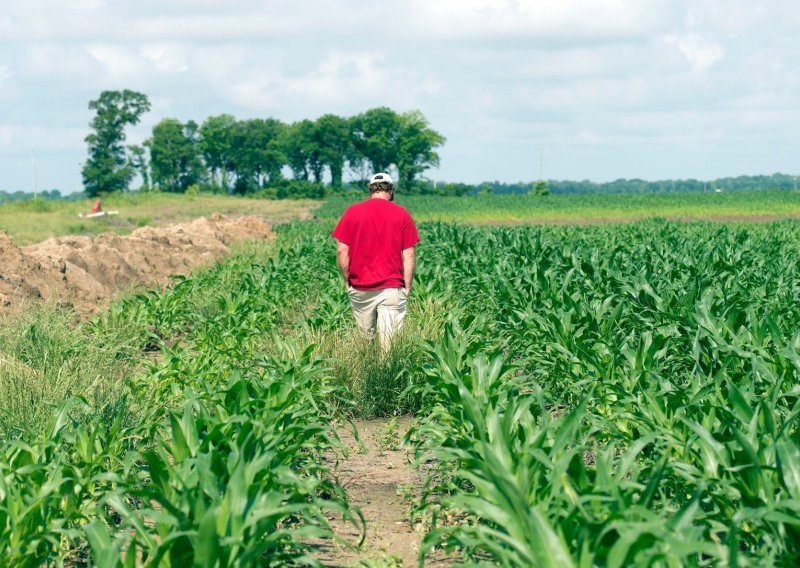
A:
584,89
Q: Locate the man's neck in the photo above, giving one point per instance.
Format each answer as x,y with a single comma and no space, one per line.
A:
385,195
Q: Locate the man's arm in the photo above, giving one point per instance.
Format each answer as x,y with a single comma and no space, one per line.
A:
409,266
343,260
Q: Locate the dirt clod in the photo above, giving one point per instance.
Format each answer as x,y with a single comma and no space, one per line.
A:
85,272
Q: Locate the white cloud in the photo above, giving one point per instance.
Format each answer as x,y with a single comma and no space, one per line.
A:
5,135
339,78
5,73
88,5
119,61
581,20
167,58
701,53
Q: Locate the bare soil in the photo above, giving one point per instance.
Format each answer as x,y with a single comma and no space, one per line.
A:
85,272
375,482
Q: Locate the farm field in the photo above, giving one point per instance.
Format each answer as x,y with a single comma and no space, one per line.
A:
34,221
610,395
592,208
30,222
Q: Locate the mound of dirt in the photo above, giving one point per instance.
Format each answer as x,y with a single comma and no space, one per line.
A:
84,272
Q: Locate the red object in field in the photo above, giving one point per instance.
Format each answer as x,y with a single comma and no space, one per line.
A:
97,207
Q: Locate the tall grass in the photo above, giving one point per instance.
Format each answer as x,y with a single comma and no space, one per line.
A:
45,359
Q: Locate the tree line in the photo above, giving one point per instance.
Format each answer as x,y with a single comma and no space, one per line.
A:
564,187
226,154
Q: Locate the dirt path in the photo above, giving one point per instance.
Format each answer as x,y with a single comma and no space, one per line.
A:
374,479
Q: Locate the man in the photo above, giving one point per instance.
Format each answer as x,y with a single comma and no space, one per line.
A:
375,252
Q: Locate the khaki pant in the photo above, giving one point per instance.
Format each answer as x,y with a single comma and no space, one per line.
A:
382,309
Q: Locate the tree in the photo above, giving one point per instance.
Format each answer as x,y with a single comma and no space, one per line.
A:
540,188
216,147
137,157
257,153
416,147
175,156
108,168
334,137
297,144
375,135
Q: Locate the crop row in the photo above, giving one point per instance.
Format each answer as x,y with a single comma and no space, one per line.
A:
215,454
615,396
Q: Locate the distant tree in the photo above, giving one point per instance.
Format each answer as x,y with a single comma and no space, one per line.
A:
299,148
107,168
257,156
540,188
486,189
137,158
175,155
217,148
334,137
376,134
416,147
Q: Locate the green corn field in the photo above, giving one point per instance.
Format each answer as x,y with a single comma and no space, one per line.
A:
609,395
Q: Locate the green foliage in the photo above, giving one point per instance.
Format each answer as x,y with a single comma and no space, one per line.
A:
416,148
216,457
606,395
217,149
639,186
376,134
503,209
107,168
616,395
258,155
388,438
540,188
382,137
334,139
174,155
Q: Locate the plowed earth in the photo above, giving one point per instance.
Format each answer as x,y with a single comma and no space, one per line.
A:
85,272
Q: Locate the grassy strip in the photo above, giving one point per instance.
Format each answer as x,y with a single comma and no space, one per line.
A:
592,208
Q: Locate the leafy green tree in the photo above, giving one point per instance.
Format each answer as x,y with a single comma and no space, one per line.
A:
334,137
217,148
299,148
375,136
540,188
175,155
108,168
416,147
485,190
257,156
137,157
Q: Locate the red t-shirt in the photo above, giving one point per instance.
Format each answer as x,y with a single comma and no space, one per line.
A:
377,231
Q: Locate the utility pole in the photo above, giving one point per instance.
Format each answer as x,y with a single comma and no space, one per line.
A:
33,168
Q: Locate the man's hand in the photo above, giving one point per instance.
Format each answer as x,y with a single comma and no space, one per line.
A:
409,266
343,260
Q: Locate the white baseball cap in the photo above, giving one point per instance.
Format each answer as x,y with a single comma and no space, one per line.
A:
380,178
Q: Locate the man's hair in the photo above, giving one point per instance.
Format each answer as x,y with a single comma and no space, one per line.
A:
380,186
